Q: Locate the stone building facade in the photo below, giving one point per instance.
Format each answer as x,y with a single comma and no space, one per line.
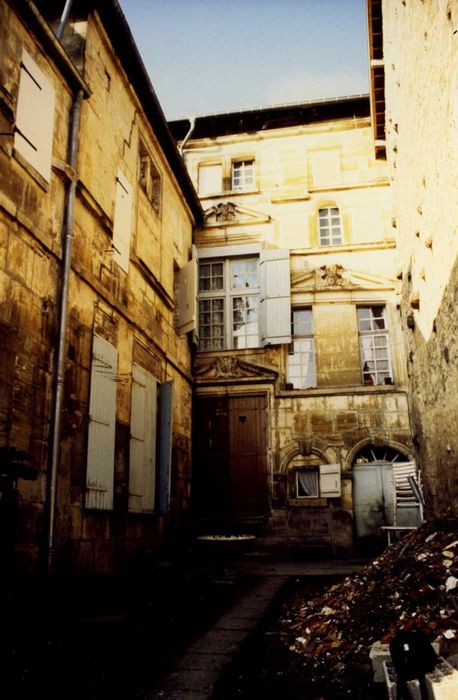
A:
414,49
96,220
300,378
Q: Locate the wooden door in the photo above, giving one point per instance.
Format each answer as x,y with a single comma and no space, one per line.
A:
230,456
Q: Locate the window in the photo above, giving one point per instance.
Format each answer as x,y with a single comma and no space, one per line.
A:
142,460
243,175
228,304
34,126
330,226
307,483
301,357
150,179
323,481
102,421
374,345
210,179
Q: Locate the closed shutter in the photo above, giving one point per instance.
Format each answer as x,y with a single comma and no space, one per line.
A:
102,421
142,462
34,127
187,296
210,179
330,485
275,298
122,225
165,446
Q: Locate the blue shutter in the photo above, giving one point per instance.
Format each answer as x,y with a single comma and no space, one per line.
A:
165,446
102,423
275,297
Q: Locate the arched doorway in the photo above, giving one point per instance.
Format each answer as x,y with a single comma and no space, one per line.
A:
373,495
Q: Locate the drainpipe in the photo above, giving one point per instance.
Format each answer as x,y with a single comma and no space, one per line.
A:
63,19
67,245
192,123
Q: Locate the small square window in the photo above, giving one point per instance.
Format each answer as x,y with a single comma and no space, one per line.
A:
243,175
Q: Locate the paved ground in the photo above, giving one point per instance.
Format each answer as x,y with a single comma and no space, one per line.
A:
200,668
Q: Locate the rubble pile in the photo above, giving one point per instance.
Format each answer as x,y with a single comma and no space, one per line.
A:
413,585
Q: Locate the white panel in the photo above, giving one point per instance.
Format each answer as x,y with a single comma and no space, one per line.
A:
275,298
330,485
142,461
325,167
187,297
210,179
102,422
33,137
122,224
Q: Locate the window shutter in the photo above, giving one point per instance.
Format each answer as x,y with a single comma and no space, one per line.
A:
122,224
187,296
210,179
102,422
165,446
330,485
275,298
33,136
142,461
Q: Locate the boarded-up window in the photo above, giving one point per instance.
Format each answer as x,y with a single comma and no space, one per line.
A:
325,167
142,462
210,179
33,136
102,421
122,225
275,301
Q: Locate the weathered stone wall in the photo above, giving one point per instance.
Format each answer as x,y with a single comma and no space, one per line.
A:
134,310
421,54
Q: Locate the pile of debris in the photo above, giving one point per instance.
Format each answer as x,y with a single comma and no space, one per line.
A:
413,585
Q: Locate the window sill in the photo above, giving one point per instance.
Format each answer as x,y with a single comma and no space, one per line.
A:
313,501
228,193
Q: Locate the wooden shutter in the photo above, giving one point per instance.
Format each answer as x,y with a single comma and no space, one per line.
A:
122,224
165,446
142,461
33,137
330,485
102,422
210,179
187,296
275,299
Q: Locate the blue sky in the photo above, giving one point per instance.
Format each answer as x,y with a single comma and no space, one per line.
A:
206,56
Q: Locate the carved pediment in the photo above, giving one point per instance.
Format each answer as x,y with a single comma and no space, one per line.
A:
227,367
335,276
229,213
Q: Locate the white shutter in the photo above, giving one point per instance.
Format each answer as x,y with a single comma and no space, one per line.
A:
330,485
210,179
326,169
142,462
187,296
275,298
102,422
122,224
33,136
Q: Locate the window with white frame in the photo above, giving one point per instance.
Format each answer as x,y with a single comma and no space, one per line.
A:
301,356
150,178
34,126
374,345
307,483
329,226
323,481
228,304
243,175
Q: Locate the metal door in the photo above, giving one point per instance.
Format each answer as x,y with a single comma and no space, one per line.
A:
372,498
